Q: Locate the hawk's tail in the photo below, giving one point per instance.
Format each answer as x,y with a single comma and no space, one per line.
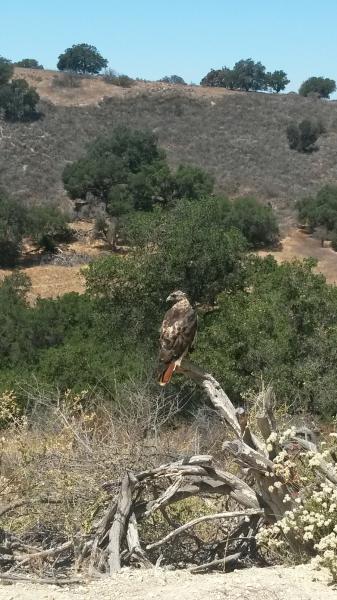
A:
166,375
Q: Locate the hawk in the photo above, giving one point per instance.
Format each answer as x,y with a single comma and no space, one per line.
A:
177,334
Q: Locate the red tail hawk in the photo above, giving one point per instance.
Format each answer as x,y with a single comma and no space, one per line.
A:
177,334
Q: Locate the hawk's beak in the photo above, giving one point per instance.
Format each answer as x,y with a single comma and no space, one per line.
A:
169,298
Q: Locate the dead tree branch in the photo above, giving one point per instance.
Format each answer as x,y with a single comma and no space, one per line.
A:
223,515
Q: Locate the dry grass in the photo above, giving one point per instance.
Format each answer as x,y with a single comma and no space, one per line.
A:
57,456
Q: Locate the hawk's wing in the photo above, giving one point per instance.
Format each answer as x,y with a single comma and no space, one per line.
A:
177,332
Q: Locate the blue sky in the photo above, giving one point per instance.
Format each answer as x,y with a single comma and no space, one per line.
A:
153,38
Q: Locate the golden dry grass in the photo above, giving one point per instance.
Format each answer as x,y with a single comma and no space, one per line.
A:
93,89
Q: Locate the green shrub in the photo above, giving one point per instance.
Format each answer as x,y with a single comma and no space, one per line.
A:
6,70
256,222
303,137
47,226
320,210
16,333
272,330
29,63
110,76
322,86
18,100
12,227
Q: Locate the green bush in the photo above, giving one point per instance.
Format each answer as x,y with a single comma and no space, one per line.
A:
256,222
48,226
12,227
321,86
320,210
192,183
6,70
303,137
16,333
272,331
18,100
29,63
82,58
110,76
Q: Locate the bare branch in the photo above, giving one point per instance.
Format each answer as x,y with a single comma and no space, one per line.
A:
224,562
223,515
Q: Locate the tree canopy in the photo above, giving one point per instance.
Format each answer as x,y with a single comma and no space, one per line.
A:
246,75
128,171
83,59
321,86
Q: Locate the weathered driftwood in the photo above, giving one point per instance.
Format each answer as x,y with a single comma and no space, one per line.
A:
222,515
247,450
123,509
133,542
197,475
191,476
247,456
215,393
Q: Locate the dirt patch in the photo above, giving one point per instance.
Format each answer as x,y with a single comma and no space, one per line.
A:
276,583
300,245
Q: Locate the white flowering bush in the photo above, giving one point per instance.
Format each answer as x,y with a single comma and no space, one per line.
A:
309,529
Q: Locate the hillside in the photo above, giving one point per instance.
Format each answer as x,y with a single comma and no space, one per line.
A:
239,137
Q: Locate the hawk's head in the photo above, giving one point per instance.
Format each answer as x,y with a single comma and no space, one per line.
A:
176,296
